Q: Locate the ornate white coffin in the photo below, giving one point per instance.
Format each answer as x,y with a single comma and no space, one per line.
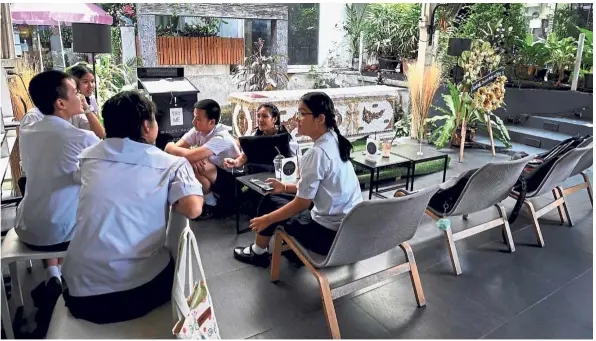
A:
361,110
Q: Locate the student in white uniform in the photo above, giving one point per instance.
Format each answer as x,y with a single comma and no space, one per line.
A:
89,118
118,267
268,124
327,182
213,143
50,151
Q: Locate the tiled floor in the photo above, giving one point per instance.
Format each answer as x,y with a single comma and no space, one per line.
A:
532,293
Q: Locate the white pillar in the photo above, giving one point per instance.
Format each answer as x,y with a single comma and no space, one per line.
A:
578,61
129,44
61,47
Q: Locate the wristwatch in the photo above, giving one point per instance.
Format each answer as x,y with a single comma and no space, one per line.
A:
88,111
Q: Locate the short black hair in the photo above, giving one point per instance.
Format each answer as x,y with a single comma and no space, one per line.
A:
124,115
211,108
79,71
46,88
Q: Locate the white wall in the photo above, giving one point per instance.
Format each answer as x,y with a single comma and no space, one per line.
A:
332,39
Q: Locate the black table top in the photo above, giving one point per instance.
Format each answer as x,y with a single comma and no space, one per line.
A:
409,152
245,180
360,159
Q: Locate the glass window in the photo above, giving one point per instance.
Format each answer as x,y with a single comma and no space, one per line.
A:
303,34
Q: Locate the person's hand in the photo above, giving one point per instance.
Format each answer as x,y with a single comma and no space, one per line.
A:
258,224
199,166
84,105
229,162
278,187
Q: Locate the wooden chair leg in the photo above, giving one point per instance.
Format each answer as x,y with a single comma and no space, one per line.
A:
589,186
561,193
506,228
539,238
452,252
276,257
559,209
328,306
414,275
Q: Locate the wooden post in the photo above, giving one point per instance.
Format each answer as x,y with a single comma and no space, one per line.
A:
490,134
462,141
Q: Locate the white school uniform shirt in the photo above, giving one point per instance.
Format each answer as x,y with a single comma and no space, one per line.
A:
329,182
219,141
120,231
50,151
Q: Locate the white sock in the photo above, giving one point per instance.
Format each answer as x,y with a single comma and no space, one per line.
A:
53,271
210,199
255,248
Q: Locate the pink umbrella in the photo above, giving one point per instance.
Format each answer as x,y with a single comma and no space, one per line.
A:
53,13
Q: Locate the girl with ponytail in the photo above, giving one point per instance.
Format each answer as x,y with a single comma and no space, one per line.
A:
327,183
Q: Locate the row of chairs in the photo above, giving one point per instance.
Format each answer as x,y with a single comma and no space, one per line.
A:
355,241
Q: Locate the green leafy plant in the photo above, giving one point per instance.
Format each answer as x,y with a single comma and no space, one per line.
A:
588,54
391,30
503,27
561,54
259,72
354,26
441,134
533,55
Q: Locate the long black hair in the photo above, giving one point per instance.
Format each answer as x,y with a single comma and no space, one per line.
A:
273,110
320,103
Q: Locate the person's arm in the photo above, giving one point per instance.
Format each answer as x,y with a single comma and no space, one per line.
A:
185,193
94,125
190,206
316,165
192,155
92,119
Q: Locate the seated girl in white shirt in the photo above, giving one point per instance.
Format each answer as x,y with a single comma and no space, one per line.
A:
327,182
268,124
118,267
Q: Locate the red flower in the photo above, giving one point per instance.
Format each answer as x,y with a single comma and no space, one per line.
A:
129,10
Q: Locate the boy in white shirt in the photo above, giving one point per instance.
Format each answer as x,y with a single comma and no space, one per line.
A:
50,151
213,144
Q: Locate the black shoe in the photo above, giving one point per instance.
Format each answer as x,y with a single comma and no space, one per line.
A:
252,258
208,213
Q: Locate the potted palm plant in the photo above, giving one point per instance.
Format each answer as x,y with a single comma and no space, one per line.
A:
354,26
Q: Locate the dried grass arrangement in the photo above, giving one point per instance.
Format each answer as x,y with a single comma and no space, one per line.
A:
422,85
21,103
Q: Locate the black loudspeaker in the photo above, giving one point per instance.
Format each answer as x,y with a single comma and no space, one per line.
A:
458,45
91,38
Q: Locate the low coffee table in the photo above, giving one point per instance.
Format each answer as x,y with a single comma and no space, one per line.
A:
409,152
359,159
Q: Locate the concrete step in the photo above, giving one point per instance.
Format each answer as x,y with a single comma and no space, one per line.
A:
515,146
564,125
536,137
533,137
